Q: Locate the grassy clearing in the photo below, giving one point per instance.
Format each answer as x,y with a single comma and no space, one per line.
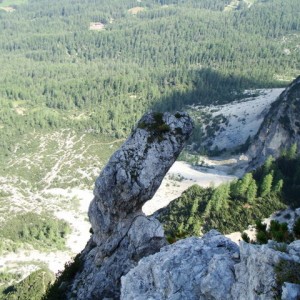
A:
59,159
42,173
136,10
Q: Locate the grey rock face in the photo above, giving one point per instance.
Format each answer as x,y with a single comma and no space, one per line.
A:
281,127
294,250
193,268
255,275
290,291
209,268
122,234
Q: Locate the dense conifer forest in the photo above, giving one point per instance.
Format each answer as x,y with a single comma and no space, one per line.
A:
57,73
232,207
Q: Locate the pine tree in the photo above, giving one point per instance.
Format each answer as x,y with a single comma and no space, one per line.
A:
278,187
265,188
251,191
268,164
292,152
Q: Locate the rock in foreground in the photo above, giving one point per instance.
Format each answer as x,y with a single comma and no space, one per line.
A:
191,269
210,268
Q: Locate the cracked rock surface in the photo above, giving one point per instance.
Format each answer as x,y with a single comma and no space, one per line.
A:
210,268
122,234
192,269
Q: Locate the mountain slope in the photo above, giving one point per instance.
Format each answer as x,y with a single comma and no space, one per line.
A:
280,128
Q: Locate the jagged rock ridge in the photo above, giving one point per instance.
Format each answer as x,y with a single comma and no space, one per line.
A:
211,268
122,234
280,128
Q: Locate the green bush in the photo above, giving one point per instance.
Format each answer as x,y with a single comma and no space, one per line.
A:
287,271
40,230
278,232
296,229
245,237
32,287
58,290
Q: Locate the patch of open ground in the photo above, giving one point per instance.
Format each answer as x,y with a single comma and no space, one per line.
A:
180,177
229,125
98,26
51,172
136,10
234,4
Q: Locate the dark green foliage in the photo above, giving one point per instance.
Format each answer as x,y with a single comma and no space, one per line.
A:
239,215
278,232
54,69
183,217
58,290
233,207
280,178
261,237
296,229
178,115
32,287
219,199
39,230
157,127
245,237
260,226
287,271
266,185
200,209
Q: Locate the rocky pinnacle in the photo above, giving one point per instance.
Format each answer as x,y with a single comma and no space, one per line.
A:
122,234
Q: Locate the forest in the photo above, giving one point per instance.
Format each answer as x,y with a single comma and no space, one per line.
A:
233,206
57,73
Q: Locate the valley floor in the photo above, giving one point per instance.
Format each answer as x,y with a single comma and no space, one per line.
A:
180,177
66,159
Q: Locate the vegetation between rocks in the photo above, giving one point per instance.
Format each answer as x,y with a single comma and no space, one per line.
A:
232,207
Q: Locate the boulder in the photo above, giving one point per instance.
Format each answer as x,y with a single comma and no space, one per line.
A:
193,268
211,268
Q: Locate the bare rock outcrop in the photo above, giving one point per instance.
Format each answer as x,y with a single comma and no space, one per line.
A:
280,128
191,269
211,268
255,274
122,234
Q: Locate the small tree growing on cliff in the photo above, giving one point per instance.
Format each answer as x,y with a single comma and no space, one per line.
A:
266,185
